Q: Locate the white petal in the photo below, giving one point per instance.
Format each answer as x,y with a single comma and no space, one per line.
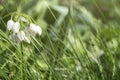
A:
22,37
10,24
39,30
32,30
35,29
16,27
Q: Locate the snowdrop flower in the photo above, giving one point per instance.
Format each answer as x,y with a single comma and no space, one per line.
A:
33,30
10,24
13,26
39,30
22,37
19,37
16,27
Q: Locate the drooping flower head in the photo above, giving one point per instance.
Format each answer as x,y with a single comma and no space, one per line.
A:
33,30
13,26
22,35
16,27
10,24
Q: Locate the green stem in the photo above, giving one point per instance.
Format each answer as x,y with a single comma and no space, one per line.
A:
23,64
21,55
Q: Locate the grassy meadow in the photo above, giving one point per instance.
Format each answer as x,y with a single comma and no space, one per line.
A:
73,40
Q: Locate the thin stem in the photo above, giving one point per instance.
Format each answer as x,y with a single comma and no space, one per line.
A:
23,64
21,56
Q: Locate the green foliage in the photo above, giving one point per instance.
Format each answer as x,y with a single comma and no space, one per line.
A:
80,40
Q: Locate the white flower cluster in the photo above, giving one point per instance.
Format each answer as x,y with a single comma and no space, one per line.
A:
23,35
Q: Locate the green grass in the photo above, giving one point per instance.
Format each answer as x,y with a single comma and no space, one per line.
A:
80,40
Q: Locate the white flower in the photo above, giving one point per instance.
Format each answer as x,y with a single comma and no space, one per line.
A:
16,27
22,37
39,30
10,24
13,26
19,36
33,30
